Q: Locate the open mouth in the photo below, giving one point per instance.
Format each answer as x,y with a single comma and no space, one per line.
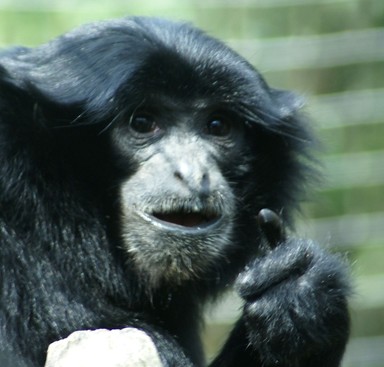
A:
185,219
179,220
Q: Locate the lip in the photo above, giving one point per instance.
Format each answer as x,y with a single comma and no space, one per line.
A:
172,227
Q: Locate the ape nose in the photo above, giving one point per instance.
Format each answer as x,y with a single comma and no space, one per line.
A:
197,180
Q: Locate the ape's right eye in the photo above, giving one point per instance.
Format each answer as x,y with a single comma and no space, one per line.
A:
143,123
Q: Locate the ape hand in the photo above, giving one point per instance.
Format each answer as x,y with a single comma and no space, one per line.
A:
295,301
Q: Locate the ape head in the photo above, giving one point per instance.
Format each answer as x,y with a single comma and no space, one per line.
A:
176,139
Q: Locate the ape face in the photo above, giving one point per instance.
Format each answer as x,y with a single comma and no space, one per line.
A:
187,139
179,130
178,207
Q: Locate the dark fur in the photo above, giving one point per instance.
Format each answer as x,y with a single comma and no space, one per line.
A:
65,152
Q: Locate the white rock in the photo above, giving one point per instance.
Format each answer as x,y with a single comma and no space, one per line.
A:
104,348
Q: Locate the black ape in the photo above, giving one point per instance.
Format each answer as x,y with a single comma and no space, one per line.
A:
135,156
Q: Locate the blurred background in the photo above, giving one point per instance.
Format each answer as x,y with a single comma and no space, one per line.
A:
331,52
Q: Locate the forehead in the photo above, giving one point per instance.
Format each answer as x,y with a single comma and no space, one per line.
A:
199,79
173,105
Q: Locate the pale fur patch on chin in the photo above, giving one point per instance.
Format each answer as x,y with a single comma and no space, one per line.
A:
173,260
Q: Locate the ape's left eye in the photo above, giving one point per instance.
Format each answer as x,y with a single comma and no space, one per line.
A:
143,124
219,126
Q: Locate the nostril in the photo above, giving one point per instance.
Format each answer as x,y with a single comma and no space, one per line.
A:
178,175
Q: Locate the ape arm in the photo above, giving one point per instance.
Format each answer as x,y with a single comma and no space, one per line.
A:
295,312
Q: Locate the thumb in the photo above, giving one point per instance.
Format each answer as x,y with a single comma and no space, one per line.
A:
271,226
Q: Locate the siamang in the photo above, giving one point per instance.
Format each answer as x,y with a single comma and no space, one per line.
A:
145,169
